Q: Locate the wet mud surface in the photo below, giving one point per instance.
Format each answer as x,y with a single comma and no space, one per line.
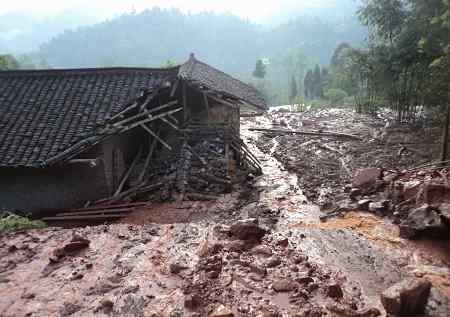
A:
184,259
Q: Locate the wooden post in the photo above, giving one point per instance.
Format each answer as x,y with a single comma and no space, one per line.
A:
444,142
184,96
205,100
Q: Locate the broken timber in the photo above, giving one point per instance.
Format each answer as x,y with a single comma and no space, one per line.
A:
316,133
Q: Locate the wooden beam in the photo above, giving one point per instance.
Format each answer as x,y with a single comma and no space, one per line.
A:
174,88
151,118
148,158
156,137
184,99
205,100
85,217
171,124
170,103
94,212
128,173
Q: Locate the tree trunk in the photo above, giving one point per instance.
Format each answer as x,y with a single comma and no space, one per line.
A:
444,144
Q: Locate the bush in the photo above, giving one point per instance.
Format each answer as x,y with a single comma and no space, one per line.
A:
12,222
335,95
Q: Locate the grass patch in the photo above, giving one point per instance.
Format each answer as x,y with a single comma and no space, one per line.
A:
12,222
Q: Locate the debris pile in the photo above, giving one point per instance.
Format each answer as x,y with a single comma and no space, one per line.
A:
418,199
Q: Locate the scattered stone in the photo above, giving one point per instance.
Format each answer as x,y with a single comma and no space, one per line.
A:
192,301
354,193
406,298
282,242
273,261
106,305
258,269
379,207
283,285
334,290
262,250
176,267
247,229
69,309
221,311
236,246
363,204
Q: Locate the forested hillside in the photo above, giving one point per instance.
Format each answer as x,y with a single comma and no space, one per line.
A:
233,44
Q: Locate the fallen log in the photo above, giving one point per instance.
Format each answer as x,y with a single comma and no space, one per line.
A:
317,133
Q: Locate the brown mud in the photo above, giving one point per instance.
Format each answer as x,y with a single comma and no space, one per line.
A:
177,259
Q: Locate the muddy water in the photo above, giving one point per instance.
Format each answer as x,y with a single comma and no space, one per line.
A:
364,248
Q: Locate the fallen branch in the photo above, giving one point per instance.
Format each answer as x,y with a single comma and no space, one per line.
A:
317,133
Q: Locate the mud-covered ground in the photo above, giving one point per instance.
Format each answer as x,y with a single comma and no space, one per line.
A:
183,260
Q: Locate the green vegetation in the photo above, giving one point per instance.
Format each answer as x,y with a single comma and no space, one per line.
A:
8,62
12,222
335,95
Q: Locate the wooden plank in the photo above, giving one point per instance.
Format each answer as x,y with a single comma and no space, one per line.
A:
128,173
324,133
100,207
156,137
94,212
87,217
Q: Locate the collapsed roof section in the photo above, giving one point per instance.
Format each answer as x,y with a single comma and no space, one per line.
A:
47,115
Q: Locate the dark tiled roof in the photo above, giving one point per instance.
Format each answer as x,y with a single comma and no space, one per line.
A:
42,113
205,75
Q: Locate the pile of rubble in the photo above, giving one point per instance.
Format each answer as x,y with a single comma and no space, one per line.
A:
418,200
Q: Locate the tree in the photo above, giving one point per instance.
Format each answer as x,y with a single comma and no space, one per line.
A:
335,96
260,69
169,64
308,84
293,92
8,62
317,82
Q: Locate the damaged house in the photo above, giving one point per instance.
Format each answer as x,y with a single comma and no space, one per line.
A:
75,137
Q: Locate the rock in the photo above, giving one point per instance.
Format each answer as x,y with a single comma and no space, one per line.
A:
406,298
258,269
354,193
366,178
213,274
423,221
76,244
192,301
305,280
221,311
444,210
176,267
106,305
262,250
236,246
273,261
283,285
283,242
247,229
334,290
379,207
363,204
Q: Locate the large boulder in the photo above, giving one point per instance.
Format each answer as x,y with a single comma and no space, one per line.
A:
367,178
247,229
424,220
406,298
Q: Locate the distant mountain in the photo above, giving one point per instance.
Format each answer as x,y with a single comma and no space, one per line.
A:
233,44
22,32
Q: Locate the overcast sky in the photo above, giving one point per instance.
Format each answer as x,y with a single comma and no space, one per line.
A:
255,10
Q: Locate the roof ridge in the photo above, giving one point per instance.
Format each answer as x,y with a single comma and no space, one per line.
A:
90,70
